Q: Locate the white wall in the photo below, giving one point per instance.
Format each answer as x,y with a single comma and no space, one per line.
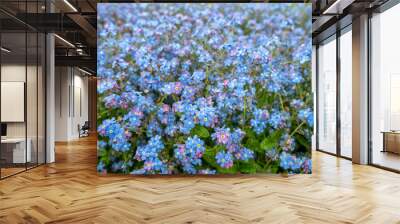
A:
80,103
14,72
71,102
34,125
62,82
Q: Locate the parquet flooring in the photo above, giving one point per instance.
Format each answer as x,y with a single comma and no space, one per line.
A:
70,191
10,171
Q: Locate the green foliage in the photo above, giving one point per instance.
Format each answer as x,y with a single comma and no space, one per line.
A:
200,131
253,144
272,141
279,60
233,170
209,157
249,167
250,140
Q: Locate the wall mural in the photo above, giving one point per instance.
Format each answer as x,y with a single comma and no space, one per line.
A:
204,88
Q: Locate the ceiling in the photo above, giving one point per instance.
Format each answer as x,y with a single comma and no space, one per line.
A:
75,23
330,15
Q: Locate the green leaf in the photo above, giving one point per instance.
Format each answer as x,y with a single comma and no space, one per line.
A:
262,100
302,141
232,170
248,167
260,168
209,151
253,144
271,141
273,169
249,132
200,131
209,157
251,140
218,148
181,139
267,144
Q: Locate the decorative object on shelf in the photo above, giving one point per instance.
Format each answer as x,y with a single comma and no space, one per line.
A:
391,141
204,88
84,129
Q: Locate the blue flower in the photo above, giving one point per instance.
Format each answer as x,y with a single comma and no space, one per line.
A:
113,101
278,119
189,92
272,154
206,116
259,122
116,134
244,154
236,136
198,76
106,85
224,159
149,154
101,144
172,88
222,136
207,171
133,118
307,166
213,66
101,167
153,128
296,103
287,143
189,155
188,125
290,162
307,115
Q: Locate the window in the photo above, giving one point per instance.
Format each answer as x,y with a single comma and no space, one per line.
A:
346,93
327,96
22,77
385,89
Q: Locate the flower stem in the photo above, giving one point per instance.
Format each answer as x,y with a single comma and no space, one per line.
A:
244,111
281,101
297,128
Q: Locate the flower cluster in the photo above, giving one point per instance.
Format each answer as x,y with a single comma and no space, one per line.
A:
224,159
292,163
149,154
259,122
307,115
191,113
272,154
231,140
118,137
189,155
287,143
204,88
133,118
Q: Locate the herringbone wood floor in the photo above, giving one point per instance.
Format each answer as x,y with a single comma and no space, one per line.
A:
70,191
